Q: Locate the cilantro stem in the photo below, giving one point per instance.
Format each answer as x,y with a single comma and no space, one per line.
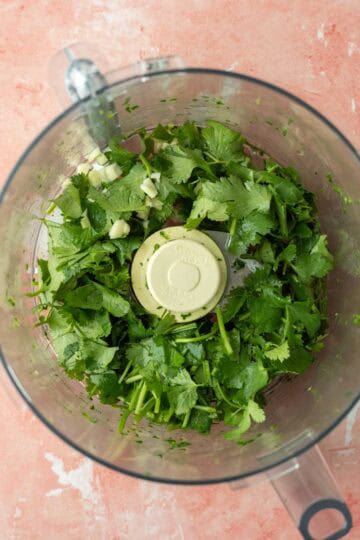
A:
133,379
205,409
186,419
157,403
233,226
223,334
168,415
123,419
202,337
125,372
145,163
178,329
134,397
144,410
206,370
51,208
281,212
287,322
141,398
221,396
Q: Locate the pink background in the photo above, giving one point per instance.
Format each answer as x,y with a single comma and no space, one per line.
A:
312,49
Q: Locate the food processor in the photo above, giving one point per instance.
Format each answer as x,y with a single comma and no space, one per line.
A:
300,410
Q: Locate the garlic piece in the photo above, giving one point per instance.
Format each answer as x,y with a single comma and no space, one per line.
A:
93,154
149,188
95,178
83,168
101,159
112,172
120,229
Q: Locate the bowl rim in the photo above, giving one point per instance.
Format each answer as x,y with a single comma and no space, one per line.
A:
13,377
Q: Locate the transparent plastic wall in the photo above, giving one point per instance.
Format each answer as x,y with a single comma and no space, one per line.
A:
299,410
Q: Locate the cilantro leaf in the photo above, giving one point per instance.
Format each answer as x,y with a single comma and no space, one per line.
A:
182,163
255,411
252,411
206,208
302,312
234,302
222,142
249,232
280,352
316,263
112,301
183,394
105,385
85,297
298,361
120,155
69,202
242,199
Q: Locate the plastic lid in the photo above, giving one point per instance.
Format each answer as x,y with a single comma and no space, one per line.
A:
183,275
179,271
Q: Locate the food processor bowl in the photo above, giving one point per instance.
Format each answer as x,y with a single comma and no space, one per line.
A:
300,410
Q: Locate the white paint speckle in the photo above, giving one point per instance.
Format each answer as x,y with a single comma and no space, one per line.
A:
80,478
345,452
232,66
352,47
322,73
54,492
22,499
17,512
353,105
181,532
350,422
320,32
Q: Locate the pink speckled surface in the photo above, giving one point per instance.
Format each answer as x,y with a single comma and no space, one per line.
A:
312,49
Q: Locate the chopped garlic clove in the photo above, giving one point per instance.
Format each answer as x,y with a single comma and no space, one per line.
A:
120,229
83,168
93,154
67,182
101,159
153,203
143,214
157,204
95,178
149,188
112,172
155,176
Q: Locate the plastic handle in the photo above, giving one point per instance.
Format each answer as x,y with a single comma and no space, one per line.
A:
312,498
80,74
325,504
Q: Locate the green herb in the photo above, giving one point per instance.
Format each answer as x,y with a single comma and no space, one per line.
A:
186,375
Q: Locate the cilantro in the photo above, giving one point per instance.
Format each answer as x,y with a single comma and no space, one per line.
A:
241,199
186,375
280,352
69,202
222,142
249,232
183,394
314,264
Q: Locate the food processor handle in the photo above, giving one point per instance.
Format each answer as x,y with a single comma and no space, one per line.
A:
79,73
310,491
